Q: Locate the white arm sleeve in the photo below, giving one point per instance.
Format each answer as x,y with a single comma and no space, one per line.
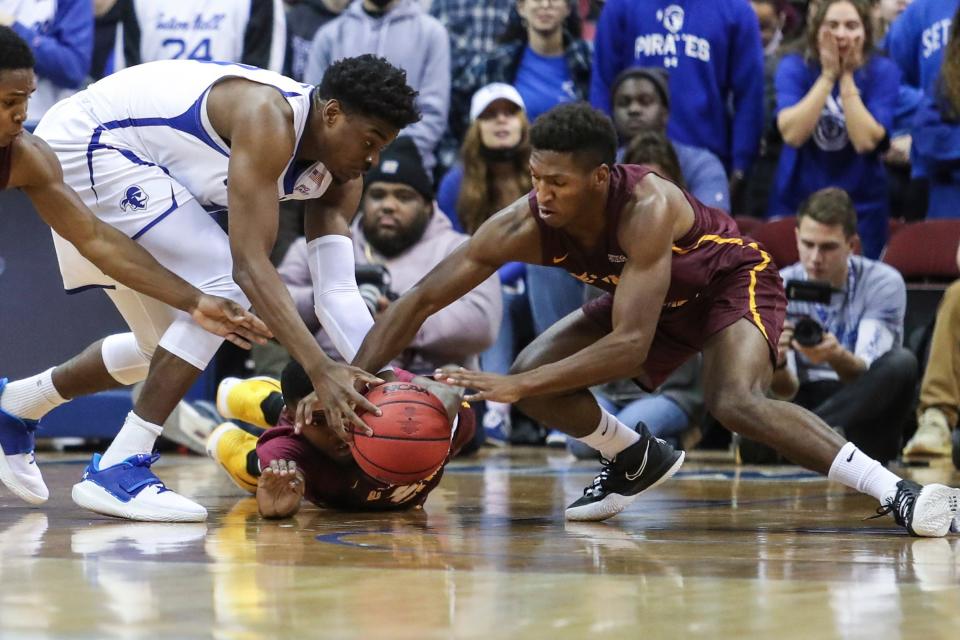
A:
336,298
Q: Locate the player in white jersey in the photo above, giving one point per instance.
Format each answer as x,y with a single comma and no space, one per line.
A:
28,164
253,32
151,150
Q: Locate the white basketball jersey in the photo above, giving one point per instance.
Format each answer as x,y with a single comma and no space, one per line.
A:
156,114
248,31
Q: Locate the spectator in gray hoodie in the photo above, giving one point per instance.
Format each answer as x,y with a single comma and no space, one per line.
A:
403,33
401,228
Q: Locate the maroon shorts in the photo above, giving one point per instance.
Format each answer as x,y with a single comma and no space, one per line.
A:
682,332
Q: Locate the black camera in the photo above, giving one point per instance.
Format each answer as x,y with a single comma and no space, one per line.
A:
807,331
373,280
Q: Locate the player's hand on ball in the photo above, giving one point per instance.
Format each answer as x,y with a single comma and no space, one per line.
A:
280,489
488,386
226,318
335,394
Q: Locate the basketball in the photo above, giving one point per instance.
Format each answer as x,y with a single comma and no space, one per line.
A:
410,440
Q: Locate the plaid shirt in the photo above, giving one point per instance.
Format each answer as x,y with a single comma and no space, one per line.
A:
501,66
473,25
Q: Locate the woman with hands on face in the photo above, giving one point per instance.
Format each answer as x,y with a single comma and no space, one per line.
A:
836,101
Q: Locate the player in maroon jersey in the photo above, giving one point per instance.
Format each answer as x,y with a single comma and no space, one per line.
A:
680,280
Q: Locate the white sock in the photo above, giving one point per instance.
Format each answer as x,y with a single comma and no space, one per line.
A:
855,469
136,436
611,436
31,398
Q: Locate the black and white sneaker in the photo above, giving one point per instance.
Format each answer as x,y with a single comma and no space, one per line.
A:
926,511
641,466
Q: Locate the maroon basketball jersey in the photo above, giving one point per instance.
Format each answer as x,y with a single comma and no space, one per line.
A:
712,249
6,157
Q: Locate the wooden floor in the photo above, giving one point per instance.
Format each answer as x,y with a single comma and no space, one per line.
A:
717,552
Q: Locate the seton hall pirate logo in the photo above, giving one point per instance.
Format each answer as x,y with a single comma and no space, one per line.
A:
135,198
672,18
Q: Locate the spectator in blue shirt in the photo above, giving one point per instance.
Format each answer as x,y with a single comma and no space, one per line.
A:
641,101
835,105
545,62
917,41
713,53
60,33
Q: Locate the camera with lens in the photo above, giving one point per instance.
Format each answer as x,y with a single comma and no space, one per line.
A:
807,331
374,280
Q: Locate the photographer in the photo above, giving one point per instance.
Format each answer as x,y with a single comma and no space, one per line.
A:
398,236
840,353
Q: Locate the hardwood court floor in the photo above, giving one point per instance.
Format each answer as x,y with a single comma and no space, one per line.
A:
717,552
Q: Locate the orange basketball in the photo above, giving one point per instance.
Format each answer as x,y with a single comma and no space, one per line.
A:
410,440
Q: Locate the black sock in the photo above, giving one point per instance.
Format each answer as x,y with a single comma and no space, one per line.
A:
253,464
271,406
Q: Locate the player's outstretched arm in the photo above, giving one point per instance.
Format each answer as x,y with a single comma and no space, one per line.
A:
510,235
646,238
39,175
262,141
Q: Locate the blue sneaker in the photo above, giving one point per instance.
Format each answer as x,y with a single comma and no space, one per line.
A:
496,428
130,490
18,466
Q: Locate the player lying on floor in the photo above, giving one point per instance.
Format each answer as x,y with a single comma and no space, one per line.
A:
281,467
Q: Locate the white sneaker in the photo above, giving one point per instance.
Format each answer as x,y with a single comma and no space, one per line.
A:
18,465
928,511
130,490
932,437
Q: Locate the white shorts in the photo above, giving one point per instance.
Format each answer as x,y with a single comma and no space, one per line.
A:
143,202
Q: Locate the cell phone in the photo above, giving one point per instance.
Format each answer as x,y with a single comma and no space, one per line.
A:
809,291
